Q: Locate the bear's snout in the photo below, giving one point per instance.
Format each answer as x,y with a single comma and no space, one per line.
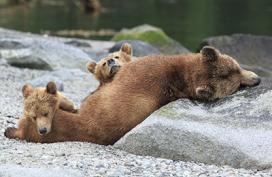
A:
111,62
256,81
43,131
249,78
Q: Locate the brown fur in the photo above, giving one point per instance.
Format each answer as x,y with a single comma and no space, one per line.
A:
40,105
104,71
145,85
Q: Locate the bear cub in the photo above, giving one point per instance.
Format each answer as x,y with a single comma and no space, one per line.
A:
40,105
106,68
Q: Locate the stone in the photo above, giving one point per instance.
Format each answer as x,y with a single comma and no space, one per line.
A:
77,43
59,77
18,171
154,36
234,131
43,80
140,48
43,54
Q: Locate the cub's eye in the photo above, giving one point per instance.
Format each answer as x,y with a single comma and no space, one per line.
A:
225,76
33,117
117,57
104,64
45,114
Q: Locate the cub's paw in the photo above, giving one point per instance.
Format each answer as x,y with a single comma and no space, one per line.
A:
75,111
10,132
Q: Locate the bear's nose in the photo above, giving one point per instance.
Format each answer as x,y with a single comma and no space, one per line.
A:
257,81
42,130
111,62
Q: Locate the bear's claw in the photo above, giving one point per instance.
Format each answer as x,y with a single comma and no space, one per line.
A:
10,132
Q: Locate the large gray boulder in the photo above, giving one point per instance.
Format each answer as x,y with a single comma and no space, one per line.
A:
41,54
33,51
253,52
60,77
235,131
154,36
140,48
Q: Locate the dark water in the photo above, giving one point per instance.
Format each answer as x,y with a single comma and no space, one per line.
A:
188,21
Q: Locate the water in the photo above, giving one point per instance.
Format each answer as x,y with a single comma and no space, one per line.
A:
188,21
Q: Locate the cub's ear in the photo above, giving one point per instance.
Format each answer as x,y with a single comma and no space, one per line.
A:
127,48
27,89
204,93
91,66
210,53
51,88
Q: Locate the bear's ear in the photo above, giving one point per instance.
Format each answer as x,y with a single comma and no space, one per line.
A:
91,66
27,89
51,88
127,48
204,92
210,53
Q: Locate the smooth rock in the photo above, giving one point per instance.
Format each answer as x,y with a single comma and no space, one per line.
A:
251,50
140,48
43,81
43,54
77,43
234,131
5,44
47,52
59,77
154,36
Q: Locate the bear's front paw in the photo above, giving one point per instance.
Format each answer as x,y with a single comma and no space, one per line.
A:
10,132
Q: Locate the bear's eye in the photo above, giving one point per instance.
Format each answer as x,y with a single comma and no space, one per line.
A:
104,64
33,117
45,114
116,57
224,76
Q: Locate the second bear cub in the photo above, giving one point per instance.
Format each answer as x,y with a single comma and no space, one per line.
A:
105,69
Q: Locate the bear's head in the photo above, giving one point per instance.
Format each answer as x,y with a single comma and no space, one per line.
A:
40,105
221,76
107,67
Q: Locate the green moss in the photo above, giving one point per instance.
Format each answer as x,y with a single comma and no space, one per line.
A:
152,35
157,37
167,112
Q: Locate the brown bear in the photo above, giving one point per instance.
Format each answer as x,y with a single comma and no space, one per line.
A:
40,105
144,86
106,68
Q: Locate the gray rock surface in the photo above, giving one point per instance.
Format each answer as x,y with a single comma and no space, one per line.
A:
140,48
247,49
234,131
27,50
86,158
42,54
16,170
60,77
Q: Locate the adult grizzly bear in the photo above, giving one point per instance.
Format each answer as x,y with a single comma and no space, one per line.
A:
145,85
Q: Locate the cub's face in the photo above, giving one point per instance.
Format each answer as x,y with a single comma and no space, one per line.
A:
40,105
107,67
222,75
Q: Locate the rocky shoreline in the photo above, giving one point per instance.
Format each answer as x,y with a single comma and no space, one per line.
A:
88,159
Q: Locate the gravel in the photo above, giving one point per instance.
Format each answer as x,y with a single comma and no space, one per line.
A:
79,158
